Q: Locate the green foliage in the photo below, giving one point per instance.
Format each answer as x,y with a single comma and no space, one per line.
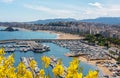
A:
100,40
112,52
114,40
118,59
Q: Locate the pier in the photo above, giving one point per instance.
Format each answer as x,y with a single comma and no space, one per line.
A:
27,61
36,40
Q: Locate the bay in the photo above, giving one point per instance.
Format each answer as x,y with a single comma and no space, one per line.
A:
55,50
25,34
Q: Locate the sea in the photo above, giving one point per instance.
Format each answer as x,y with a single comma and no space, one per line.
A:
55,50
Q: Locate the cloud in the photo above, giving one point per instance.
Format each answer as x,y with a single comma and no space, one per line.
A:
53,11
108,11
96,4
76,11
7,1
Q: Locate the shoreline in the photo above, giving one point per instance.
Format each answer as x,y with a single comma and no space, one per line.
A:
61,35
104,70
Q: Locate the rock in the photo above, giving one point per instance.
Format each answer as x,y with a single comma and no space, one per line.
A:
10,29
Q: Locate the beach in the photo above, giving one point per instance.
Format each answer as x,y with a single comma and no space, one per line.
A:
102,68
61,35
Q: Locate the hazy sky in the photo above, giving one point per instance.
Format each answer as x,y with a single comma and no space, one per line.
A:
28,10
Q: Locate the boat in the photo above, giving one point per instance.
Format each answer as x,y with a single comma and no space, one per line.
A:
23,49
41,49
9,49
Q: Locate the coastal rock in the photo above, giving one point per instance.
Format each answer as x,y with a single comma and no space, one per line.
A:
10,29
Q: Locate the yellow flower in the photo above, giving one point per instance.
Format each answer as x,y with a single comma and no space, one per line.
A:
58,70
92,74
73,75
41,73
33,64
28,74
2,58
72,70
7,69
10,73
46,61
69,75
2,51
78,75
11,59
73,67
21,69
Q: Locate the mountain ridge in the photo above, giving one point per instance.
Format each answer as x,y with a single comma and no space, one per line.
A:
53,20
104,20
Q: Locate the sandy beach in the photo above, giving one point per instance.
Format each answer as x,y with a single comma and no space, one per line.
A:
105,70
61,35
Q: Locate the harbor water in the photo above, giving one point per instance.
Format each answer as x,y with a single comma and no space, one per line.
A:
55,50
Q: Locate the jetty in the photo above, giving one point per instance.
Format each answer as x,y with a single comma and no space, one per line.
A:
36,40
26,61
38,47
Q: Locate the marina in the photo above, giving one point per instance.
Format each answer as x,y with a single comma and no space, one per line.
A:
25,46
76,48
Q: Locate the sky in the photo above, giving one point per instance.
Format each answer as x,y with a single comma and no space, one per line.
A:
31,10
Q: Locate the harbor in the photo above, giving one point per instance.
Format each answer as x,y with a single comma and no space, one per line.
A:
93,54
77,48
24,46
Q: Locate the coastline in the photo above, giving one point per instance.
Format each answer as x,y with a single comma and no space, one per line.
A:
60,35
100,67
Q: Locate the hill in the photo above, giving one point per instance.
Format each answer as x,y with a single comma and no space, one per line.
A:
105,20
52,20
